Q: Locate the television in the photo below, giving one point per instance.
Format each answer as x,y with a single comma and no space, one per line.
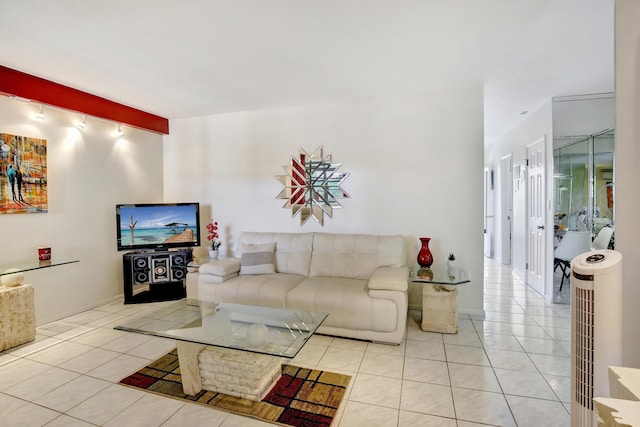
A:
158,226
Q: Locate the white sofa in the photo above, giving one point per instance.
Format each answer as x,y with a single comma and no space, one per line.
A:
360,280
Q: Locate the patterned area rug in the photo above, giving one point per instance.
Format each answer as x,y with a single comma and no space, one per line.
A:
301,397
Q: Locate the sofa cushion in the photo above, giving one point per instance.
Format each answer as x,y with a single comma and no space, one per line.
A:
257,258
293,250
355,256
390,278
221,267
347,302
212,278
266,290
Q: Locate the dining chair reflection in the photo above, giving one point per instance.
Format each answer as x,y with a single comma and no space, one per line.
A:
573,243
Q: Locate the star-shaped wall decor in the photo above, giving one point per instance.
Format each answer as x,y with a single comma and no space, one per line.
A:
312,185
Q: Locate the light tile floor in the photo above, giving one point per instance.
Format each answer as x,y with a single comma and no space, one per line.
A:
509,369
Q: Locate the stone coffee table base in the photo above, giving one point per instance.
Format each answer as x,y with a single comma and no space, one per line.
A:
233,372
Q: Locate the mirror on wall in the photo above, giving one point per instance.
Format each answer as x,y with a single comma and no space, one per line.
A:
584,203
583,181
312,185
584,185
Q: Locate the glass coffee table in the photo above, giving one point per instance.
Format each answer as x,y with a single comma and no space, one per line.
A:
229,348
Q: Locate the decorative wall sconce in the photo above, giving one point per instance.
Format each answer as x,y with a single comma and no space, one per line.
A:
312,186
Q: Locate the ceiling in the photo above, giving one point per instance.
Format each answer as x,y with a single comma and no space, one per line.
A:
201,57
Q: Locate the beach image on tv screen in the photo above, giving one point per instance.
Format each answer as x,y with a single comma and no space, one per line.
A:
144,225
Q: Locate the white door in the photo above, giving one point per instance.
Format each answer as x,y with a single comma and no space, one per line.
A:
506,198
536,215
488,217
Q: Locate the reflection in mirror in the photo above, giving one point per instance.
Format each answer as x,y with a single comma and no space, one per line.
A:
584,184
312,186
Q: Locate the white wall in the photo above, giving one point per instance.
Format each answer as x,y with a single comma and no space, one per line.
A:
627,179
575,116
415,162
88,173
537,124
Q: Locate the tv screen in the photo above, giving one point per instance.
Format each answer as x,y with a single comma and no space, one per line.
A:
157,226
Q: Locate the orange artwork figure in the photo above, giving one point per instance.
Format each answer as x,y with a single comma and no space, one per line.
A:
23,174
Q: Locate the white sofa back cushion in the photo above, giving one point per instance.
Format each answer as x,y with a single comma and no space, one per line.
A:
257,259
355,256
293,250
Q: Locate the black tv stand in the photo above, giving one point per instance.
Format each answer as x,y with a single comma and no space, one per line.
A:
157,275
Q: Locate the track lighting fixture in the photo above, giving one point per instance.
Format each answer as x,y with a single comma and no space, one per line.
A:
19,98
40,115
80,124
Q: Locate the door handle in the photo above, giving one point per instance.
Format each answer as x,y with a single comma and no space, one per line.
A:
541,227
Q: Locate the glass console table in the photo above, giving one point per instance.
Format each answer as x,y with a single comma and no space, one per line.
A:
19,267
22,266
17,307
439,297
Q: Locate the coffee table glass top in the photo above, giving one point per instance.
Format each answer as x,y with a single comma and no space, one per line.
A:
277,332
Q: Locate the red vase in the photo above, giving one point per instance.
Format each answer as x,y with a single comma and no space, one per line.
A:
425,258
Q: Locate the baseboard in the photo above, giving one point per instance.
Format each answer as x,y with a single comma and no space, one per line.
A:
417,307
472,312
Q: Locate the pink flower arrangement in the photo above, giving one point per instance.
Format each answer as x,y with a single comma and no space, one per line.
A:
212,236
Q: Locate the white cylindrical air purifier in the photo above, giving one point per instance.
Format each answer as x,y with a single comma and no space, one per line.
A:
596,329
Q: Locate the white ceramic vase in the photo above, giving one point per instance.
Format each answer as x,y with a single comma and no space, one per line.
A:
213,254
451,268
452,271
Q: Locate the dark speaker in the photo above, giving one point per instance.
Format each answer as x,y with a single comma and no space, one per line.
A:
178,273
178,260
155,276
140,268
141,263
178,266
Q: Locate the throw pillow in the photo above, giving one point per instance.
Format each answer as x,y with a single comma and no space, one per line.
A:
257,259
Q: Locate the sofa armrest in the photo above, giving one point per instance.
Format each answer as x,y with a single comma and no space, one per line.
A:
390,278
221,267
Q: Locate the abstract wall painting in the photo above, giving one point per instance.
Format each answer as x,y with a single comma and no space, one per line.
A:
23,174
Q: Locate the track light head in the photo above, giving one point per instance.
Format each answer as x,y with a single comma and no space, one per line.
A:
40,115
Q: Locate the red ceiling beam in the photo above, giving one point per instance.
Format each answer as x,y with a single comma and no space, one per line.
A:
24,85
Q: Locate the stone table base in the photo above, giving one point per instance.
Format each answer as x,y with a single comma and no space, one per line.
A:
439,309
17,316
233,372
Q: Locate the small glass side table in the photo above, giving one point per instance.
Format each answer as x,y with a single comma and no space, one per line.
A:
439,297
